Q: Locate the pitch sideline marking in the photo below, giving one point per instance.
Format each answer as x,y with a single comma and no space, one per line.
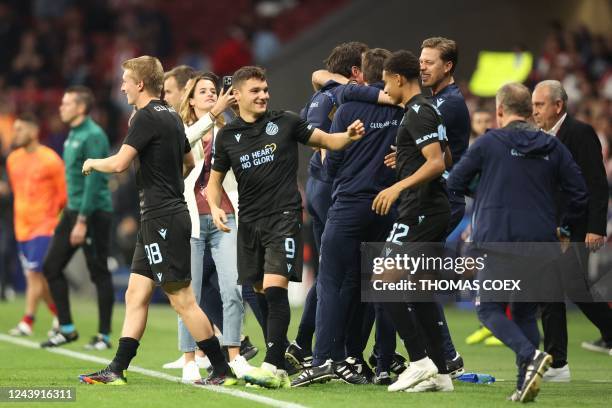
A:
155,374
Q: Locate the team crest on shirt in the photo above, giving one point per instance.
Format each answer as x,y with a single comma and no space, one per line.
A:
271,128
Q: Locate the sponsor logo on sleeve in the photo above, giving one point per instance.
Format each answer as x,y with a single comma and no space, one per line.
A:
427,137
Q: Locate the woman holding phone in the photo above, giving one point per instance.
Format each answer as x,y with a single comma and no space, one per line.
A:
202,113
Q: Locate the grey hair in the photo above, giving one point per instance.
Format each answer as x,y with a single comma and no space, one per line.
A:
557,92
515,98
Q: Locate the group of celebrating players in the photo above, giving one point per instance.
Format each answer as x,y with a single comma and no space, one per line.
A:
383,152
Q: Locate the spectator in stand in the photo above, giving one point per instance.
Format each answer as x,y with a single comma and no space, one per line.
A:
266,43
123,49
75,69
481,121
155,33
233,53
29,61
9,36
194,57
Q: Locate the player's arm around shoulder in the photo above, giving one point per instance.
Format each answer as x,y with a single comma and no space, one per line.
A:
321,76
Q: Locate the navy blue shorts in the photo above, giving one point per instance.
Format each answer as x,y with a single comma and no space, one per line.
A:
32,253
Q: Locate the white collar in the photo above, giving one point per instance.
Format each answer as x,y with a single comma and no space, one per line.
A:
555,129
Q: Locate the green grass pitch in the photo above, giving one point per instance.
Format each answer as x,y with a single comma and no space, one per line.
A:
591,384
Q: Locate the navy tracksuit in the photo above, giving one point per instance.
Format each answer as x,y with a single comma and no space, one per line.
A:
319,113
521,171
456,118
359,175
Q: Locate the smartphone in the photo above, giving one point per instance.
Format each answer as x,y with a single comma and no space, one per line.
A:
227,82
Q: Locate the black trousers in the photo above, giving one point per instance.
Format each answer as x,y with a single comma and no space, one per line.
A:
554,319
96,249
418,323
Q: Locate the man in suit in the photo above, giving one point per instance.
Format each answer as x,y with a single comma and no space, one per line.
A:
549,101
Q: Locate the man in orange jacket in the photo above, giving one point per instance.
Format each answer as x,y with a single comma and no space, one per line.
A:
36,175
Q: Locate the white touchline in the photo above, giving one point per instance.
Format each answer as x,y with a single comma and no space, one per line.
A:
155,374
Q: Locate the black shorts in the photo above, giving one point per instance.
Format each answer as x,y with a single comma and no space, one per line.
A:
273,245
421,239
428,229
163,252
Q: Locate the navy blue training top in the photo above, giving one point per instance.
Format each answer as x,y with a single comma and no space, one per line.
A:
321,109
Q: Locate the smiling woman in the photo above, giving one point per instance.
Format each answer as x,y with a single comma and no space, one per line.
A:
201,110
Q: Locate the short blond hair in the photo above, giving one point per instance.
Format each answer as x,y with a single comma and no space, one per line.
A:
149,70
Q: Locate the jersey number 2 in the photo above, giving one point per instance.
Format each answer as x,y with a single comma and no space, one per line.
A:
398,231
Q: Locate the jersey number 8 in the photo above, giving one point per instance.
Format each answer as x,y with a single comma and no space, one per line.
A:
153,253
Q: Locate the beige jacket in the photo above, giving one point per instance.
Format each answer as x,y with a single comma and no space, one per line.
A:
194,133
